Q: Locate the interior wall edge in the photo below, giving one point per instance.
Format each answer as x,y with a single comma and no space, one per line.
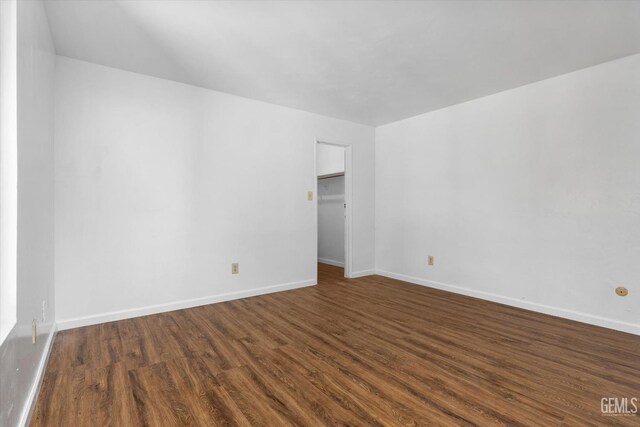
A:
30,403
632,328
95,319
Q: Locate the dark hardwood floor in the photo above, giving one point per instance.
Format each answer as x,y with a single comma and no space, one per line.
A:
369,351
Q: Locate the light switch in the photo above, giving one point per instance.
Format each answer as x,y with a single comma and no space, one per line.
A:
309,195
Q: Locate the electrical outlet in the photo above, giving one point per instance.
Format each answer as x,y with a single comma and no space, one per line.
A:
235,268
309,195
430,260
34,331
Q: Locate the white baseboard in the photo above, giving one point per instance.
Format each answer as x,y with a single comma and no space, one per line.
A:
331,262
361,273
29,405
540,308
178,305
354,274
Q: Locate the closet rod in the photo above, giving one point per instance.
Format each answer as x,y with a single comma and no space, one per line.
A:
332,175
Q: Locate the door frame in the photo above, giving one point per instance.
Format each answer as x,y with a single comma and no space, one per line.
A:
348,199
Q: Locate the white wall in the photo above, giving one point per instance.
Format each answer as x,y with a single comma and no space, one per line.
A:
8,166
331,213
160,186
329,159
529,197
21,362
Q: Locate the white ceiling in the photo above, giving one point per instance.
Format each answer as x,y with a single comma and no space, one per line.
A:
368,62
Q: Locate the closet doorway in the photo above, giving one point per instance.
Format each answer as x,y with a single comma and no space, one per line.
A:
333,225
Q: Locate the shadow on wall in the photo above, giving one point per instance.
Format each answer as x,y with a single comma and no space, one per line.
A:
331,217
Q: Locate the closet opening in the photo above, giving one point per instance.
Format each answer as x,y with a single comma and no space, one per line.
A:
333,206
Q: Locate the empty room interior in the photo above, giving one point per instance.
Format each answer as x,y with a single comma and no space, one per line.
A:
319,213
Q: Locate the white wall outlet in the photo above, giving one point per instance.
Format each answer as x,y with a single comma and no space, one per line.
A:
235,268
430,260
